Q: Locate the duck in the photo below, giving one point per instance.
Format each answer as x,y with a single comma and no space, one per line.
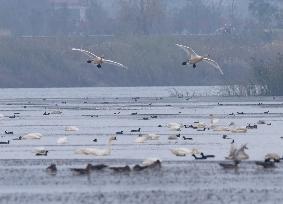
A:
98,167
249,126
150,163
94,140
195,58
96,151
120,132
181,152
52,169
233,165
18,138
31,136
266,164
98,61
71,129
121,168
82,171
62,140
8,142
173,137
40,151
9,132
187,138
138,130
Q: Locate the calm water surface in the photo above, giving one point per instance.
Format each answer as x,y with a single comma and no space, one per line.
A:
100,112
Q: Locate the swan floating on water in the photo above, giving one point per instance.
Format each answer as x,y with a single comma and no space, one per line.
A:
33,135
94,59
96,151
181,152
62,140
194,58
71,128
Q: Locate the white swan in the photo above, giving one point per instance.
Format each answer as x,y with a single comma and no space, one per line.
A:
174,126
184,151
40,151
95,151
98,60
33,135
152,136
150,161
237,154
239,130
195,58
141,139
62,140
272,157
71,128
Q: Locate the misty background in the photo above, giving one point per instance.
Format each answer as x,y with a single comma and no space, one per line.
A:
244,36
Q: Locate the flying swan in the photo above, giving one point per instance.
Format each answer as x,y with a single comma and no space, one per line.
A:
194,58
98,60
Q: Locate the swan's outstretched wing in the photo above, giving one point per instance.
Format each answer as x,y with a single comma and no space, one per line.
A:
214,64
114,63
188,50
89,54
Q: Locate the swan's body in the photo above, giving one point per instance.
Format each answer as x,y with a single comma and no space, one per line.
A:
141,139
95,151
239,130
62,140
184,151
175,126
31,136
238,154
94,59
272,157
152,136
71,128
194,58
40,151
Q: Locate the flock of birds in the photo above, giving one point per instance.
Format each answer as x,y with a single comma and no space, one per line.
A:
235,156
193,59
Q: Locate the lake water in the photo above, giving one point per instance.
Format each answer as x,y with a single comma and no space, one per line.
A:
101,112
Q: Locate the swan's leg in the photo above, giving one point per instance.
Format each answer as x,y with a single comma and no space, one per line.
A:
99,66
184,63
194,65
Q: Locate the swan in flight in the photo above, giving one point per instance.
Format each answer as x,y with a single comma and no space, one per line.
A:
195,58
94,59
97,152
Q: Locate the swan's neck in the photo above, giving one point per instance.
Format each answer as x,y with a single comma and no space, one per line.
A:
109,147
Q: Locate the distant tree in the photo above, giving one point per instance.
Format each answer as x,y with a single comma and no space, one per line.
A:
198,16
97,19
142,16
264,11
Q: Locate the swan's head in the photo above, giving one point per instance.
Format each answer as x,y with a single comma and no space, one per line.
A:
195,151
245,146
112,138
